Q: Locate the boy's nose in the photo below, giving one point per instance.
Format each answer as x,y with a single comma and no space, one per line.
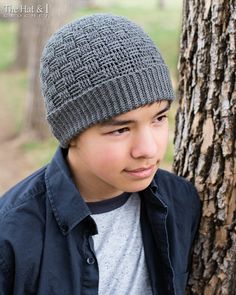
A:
144,145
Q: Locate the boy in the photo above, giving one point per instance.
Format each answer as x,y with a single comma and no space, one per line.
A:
101,218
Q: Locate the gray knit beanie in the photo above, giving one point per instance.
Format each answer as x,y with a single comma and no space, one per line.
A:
98,67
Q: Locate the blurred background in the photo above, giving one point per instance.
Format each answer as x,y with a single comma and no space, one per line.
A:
25,141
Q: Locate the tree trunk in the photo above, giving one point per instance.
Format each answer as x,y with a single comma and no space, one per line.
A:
205,138
161,4
51,15
22,52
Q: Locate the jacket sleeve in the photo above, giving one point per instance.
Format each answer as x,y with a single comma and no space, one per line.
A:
5,279
196,211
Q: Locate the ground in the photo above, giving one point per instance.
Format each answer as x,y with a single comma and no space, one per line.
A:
16,160
15,163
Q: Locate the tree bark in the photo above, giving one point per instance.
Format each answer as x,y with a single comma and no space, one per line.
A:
22,52
161,4
205,138
51,15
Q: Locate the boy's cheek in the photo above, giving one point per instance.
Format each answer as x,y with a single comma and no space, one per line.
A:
109,157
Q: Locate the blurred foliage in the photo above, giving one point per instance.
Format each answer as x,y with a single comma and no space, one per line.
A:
8,31
162,25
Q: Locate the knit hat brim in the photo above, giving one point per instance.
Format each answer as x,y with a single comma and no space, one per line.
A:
116,96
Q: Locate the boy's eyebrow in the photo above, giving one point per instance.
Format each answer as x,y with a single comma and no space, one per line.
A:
118,122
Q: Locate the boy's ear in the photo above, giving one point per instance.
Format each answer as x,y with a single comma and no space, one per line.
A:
72,142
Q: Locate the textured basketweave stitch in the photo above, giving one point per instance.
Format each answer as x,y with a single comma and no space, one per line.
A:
98,67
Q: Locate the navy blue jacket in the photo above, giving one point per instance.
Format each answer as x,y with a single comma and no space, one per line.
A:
46,232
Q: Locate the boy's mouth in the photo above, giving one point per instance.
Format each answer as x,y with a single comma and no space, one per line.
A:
142,172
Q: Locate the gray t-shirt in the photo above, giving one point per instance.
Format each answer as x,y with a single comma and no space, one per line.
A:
119,248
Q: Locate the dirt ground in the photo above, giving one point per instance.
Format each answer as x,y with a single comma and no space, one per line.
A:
15,163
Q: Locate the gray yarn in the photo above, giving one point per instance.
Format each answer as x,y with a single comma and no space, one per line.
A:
98,67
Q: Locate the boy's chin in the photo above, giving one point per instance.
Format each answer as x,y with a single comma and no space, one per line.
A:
139,186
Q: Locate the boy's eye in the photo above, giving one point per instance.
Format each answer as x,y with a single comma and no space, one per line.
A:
119,131
161,119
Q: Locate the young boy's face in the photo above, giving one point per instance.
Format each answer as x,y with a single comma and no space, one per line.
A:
120,155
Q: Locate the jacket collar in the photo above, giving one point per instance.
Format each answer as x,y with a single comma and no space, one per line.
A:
152,193
68,206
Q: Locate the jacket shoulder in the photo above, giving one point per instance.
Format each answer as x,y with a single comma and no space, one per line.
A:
175,187
166,177
22,217
28,188
181,197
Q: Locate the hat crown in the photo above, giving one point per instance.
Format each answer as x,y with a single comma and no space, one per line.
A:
91,51
95,52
